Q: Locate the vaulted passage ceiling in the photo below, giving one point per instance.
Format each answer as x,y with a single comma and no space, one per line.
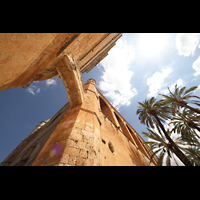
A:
27,57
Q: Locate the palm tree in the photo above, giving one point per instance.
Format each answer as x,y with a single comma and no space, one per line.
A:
193,153
150,108
153,112
159,143
186,123
181,98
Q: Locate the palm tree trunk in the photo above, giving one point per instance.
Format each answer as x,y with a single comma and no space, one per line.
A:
178,153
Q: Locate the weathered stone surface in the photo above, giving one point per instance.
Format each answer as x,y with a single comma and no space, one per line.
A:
65,159
73,137
79,161
81,145
25,57
69,72
72,151
76,136
72,160
83,153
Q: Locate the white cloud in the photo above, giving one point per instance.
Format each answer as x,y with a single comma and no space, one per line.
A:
196,66
115,81
51,82
33,89
194,79
179,83
186,43
155,82
38,90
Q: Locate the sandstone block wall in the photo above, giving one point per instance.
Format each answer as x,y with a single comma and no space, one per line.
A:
90,134
88,137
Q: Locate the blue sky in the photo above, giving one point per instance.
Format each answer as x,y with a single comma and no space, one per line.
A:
139,66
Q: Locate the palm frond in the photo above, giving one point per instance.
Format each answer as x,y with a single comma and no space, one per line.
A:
168,161
167,97
160,159
149,120
171,92
154,153
194,96
142,118
176,91
152,100
158,128
191,89
151,136
142,104
155,145
193,154
149,142
182,90
157,137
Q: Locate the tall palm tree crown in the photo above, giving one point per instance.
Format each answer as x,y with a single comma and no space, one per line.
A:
181,98
186,123
151,110
159,144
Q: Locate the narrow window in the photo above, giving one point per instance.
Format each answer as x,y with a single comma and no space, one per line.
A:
111,147
106,110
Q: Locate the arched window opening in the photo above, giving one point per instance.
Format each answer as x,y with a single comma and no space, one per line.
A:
144,145
106,110
102,103
137,141
122,125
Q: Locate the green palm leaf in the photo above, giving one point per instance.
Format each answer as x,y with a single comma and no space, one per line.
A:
160,160
182,90
154,113
191,89
168,161
154,153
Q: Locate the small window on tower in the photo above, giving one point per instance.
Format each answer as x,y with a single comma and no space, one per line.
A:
111,147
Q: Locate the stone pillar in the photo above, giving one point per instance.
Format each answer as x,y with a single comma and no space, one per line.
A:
76,139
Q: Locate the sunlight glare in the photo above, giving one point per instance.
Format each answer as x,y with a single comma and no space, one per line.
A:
152,44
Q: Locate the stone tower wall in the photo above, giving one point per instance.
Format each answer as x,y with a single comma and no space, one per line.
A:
90,134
